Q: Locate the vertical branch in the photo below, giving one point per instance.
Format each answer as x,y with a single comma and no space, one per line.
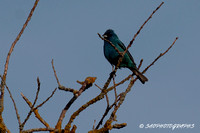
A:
16,40
115,90
2,86
15,106
55,73
37,93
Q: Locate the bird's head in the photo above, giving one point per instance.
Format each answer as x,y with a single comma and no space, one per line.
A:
109,33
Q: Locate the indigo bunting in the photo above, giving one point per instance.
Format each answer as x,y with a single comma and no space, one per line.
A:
112,55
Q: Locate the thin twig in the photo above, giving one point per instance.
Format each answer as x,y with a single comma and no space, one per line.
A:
73,129
105,114
121,82
141,61
30,112
107,100
115,90
55,73
98,86
29,103
46,99
121,99
118,126
131,42
37,93
94,125
108,108
15,106
161,54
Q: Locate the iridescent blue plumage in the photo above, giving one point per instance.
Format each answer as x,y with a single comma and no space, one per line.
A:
112,55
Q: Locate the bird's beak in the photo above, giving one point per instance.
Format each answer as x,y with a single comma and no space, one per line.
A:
105,36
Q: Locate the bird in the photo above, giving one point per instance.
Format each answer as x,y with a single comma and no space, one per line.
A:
112,55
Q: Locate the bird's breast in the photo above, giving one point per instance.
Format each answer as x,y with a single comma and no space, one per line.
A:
110,53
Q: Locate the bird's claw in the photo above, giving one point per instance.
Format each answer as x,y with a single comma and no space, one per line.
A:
113,74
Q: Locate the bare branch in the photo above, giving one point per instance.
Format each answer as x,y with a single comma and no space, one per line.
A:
35,110
118,126
141,61
105,114
15,106
67,89
30,112
7,62
161,54
85,85
83,107
73,129
30,104
94,124
98,86
38,129
131,42
115,90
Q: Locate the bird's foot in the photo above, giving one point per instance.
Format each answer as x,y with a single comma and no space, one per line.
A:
113,74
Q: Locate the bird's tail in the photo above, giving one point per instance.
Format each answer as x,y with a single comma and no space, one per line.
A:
139,75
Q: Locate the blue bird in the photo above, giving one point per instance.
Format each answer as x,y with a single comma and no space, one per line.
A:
112,55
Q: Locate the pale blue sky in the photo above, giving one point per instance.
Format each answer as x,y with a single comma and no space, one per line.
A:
67,32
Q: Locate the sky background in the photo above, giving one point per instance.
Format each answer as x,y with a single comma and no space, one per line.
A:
66,31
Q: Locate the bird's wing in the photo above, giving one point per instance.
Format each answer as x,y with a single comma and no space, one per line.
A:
124,48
